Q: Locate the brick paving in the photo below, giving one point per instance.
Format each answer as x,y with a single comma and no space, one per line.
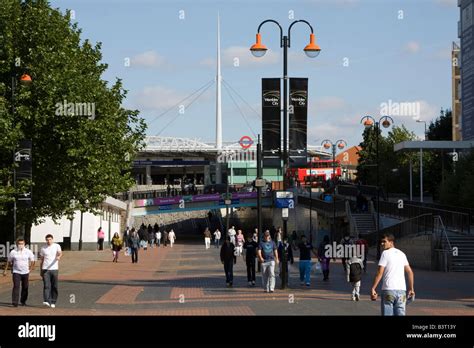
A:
189,280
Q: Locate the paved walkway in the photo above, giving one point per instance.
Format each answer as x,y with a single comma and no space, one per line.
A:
189,280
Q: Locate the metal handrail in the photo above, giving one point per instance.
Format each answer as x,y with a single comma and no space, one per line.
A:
439,220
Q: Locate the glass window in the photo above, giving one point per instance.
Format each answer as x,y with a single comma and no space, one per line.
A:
239,171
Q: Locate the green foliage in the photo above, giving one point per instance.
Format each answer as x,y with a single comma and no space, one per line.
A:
74,156
458,187
393,166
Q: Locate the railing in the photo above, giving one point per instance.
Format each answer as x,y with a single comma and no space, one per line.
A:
352,224
443,255
422,224
328,207
454,220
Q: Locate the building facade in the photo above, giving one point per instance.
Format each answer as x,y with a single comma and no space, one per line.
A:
466,34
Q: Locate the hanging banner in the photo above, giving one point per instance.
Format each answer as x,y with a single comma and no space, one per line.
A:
271,122
298,127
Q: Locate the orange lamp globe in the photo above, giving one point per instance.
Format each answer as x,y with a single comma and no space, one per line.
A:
312,50
327,145
25,79
386,123
258,49
368,122
340,145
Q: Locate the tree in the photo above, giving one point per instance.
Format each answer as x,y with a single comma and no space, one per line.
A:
437,163
77,155
458,187
392,165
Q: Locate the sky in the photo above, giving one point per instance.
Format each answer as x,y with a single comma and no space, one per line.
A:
374,53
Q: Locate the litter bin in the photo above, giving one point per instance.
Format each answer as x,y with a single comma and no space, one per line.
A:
66,244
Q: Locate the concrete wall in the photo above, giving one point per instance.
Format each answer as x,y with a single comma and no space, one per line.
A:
110,223
418,250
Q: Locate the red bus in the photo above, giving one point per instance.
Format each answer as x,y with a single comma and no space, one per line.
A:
320,170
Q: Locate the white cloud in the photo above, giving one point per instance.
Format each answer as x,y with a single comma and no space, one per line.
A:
412,47
148,59
330,103
157,98
242,56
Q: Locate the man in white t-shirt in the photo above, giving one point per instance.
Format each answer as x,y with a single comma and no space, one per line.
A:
50,255
393,265
231,233
22,261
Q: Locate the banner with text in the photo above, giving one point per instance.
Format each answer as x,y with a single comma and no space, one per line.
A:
298,128
271,122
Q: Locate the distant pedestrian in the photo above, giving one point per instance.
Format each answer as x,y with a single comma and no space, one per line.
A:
393,265
364,245
285,247
294,239
22,262
217,237
354,275
228,259
100,238
231,233
278,236
151,237
50,255
323,258
250,247
255,235
158,238
239,242
171,237
134,245
116,246
346,240
305,261
165,238
268,256
207,238
125,236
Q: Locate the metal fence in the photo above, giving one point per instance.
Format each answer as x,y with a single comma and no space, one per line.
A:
422,224
454,220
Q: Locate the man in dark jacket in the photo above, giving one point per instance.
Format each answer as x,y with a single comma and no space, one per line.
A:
228,259
250,247
285,247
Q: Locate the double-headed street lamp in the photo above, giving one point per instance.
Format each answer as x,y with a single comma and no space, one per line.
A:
312,50
25,79
340,144
369,121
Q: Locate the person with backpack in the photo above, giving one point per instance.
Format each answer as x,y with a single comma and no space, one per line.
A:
354,274
217,237
364,245
285,247
346,240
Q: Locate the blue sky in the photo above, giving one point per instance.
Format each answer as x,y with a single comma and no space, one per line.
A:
396,50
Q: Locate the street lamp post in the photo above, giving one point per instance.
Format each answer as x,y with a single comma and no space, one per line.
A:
25,79
421,165
340,144
312,50
80,231
369,121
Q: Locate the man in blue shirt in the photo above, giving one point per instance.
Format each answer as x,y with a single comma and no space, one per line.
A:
268,256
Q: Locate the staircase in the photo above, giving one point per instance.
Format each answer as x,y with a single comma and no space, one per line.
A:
364,223
464,262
